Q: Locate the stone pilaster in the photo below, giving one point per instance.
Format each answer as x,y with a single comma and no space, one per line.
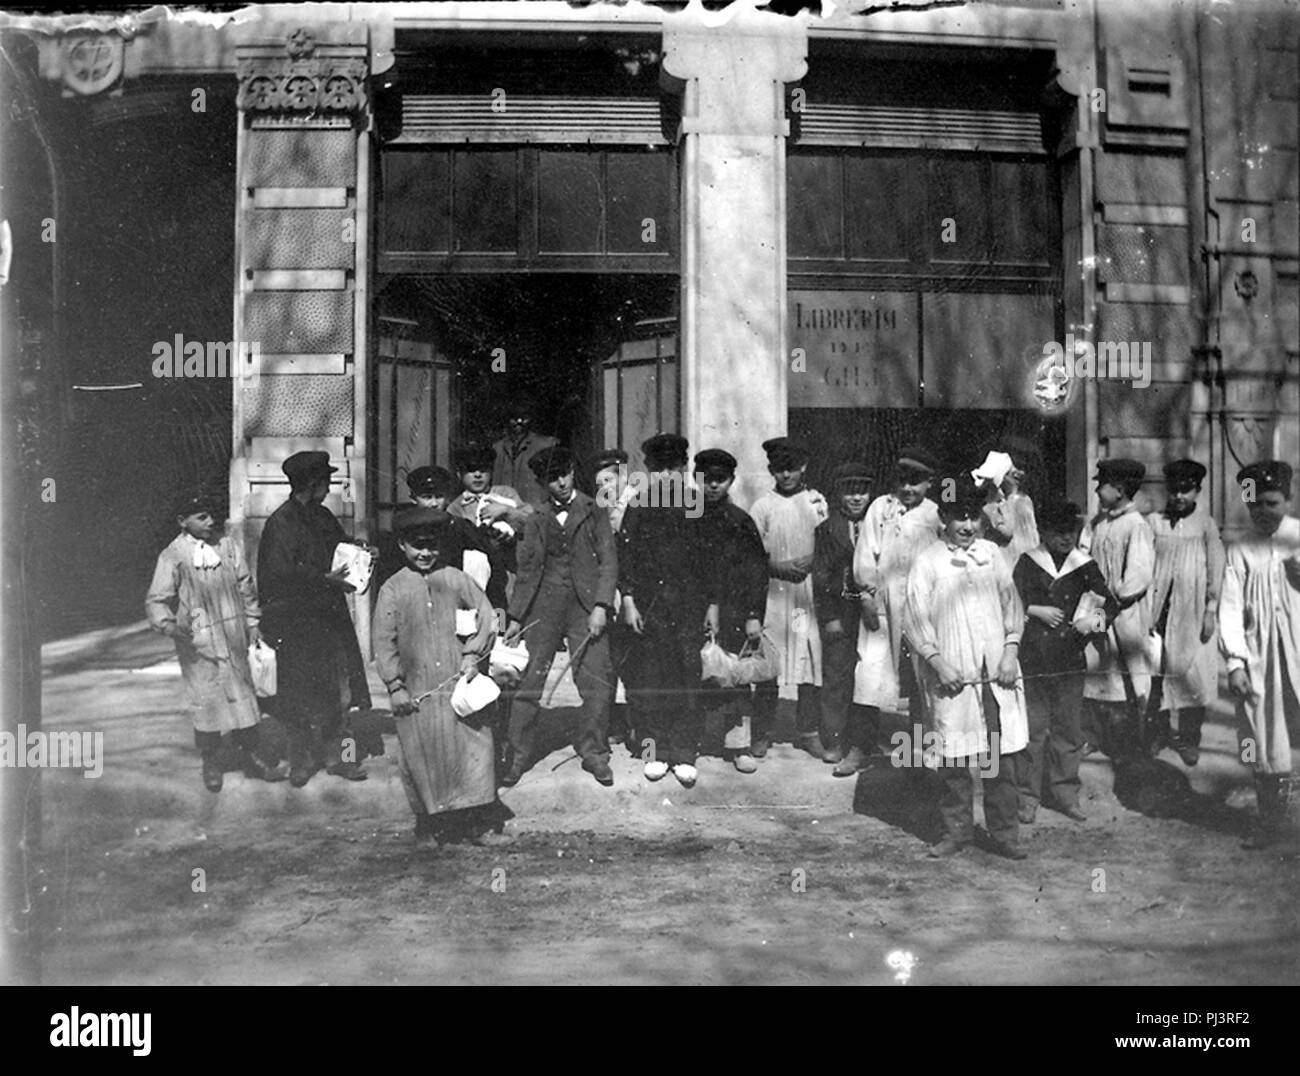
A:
734,362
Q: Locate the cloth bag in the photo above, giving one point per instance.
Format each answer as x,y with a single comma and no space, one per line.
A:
507,663
470,696
755,663
261,664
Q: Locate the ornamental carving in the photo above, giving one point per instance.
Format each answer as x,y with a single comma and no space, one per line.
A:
92,63
303,80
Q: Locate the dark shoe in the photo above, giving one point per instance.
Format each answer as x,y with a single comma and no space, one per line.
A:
810,742
1007,851
833,755
349,771
1028,813
855,760
599,769
257,770
1189,753
211,776
298,778
946,847
512,775
758,748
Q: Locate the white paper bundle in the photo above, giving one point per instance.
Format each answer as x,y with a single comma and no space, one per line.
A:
358,561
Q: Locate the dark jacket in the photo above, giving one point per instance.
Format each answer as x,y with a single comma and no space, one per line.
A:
833,572
669,569
1044,649
739,570
594,560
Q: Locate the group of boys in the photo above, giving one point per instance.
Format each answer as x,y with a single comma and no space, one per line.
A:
954,594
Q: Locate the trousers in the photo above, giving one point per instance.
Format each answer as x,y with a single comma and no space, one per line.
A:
1051,767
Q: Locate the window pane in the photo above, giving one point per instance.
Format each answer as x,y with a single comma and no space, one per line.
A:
957,224
881,195
416,211
815,206
486,201
1022,228
569,202
639,190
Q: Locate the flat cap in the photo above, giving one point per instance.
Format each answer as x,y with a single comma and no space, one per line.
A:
550,463
1059,516
1123,469
304,465
665,450
608,457
431,482
475,457
919,458
417,520
715,461
1269,476
783,452
851,472
1184,472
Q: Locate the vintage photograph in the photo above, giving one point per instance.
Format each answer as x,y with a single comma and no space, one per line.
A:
543,493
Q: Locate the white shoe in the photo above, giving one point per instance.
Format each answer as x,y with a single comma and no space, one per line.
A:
685,773
656,770
745,762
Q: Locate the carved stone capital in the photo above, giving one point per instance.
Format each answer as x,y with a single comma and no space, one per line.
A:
302,79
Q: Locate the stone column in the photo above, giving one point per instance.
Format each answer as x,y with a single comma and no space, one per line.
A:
731,74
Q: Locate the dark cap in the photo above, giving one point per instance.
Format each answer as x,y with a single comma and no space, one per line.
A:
608,457
665,450
194,501
1184,472
416,520
1059,516
475,457
551,463
1121,469
964,497
851,473
519,407
783,452
1269,476
431,482
918,458
715,461
303,466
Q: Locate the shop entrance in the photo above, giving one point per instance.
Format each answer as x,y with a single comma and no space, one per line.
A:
593,354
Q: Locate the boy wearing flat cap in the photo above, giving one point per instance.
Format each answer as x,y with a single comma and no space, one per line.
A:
1120,541
896,528
787,519
1067,603
565,591
319,668
613,492
1185,608
667,586
447,764
848,729
740,571
1259,635
202,597
499,510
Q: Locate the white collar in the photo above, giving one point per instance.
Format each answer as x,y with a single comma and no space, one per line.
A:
1076,558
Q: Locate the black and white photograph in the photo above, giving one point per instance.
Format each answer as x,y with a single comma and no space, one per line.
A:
628,493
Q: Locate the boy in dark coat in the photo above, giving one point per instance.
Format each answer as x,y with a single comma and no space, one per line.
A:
740,571
848,729
667,589
567,571
1051,579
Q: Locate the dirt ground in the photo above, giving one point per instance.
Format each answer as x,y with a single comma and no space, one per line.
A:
786,876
